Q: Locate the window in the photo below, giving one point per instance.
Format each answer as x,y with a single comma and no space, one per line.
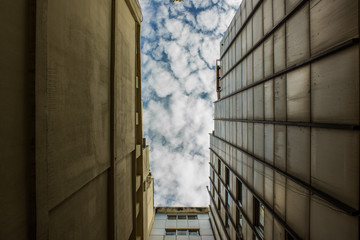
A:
259,211
227,219
238,191
171,217
182,232
227,177
170,232
219,167
194,232
238,219
192,217
219,204
288,236
227,198
181,217
219,186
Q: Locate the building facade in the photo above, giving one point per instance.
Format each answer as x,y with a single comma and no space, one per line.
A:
73,161
284,153
181,223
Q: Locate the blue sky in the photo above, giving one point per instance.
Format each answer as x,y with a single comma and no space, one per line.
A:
179,46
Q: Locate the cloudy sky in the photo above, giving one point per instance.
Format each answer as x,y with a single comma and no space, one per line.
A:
179,46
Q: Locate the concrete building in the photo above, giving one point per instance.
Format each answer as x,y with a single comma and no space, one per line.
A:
182,223
73,164
285,147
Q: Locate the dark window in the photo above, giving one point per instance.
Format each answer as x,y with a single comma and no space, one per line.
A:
238,191
227,177
227,219
219,186
181,217
289,237
171,217
191,217
238,218
259,212
170,232
219,167
227,198
194,232
219,204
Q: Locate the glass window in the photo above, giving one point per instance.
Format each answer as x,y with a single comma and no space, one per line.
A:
191,217
259,211
181,217
219,204
181,232
194,232
238,218
219,167
227,219
227,199
239,191
171,217
227,177
170,232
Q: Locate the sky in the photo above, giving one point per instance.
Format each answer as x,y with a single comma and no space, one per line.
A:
179,47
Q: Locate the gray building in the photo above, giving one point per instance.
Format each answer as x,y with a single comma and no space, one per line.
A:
285,147
181,223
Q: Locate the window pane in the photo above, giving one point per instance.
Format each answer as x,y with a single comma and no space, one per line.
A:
193,232
170,232
261,215
181,232
192,217
181,217
171,217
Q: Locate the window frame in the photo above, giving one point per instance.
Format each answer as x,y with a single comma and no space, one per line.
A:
258,209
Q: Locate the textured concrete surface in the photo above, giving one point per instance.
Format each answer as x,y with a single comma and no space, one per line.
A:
68,119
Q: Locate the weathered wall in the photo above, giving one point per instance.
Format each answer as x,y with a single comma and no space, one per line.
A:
68,127
287,121
16,122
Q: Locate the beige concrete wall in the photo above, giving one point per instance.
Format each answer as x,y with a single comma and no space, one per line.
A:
16,122
67,147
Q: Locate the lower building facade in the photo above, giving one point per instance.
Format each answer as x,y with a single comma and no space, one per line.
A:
181,223
284,153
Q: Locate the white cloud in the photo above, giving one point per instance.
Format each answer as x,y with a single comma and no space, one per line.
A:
208,19
179,49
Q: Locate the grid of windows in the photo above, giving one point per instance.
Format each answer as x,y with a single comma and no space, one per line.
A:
182,217
182,232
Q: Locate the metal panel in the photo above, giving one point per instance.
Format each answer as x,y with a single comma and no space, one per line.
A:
280,147
249,65
268,15
259,178
297,36
268,225
258,63
269,100
269,186
325,75
329,223
298,94
278,10
258,25
259,102
269,143
297,214
298,152
249,34
250,103
269,56
279,195
259,140
335,163
332,22
279,232
279,49
280,98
